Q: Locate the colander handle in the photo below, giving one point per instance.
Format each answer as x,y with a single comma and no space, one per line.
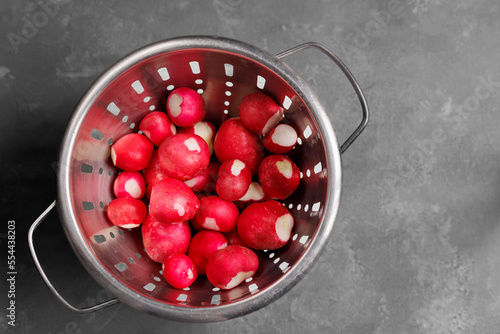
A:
31,231
350,77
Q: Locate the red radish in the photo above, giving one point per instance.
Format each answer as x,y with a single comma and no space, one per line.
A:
235,141
230,266
126,212
233,180
203,245
279,176
195,226
185,107
217,214
179,270
183,155
132,152
206,179
200,195
265,225
147,194
281,139
157,127
253,194
193,223
233,238
129,185
161,240
259,113
172,201
154,172
205,130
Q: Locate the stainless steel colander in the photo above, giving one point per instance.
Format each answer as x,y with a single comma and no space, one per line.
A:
223,71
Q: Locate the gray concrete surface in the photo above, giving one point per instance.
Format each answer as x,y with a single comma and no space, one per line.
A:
416,244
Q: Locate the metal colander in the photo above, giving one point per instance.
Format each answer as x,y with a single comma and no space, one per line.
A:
223,71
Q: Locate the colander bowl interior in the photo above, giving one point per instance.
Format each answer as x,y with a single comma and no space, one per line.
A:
223,71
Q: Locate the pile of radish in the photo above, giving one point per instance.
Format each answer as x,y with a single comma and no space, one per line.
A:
206,199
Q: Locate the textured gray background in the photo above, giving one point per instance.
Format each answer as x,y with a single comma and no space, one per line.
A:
416,244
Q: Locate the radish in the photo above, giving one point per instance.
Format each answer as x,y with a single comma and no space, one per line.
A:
259,113
188,193
203,245
147,194
183,155
193,223
230,266
235,141
233,238
205,130
253,194
172,201
126,212
279,176
206,179
157,127
195,226
217,214
154,172
129,185
233,180
185,107
265,225
132,152
161,240
179,270
282,139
